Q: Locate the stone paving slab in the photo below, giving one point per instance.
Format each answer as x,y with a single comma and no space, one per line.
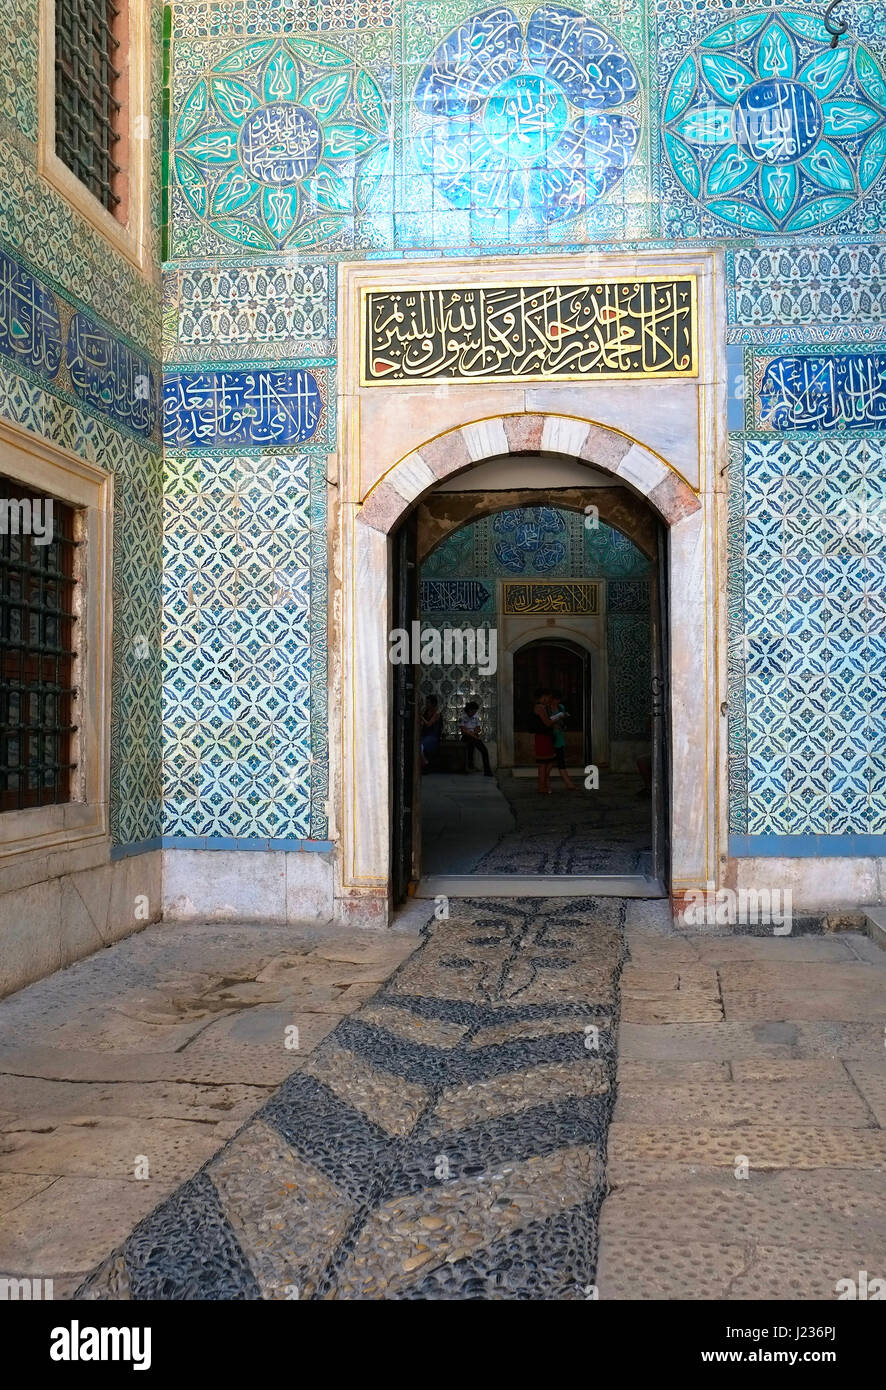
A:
870,1078
66,1227
828,1208
157,1049
654,1269
803,990
788,1088
731,1103
727,1040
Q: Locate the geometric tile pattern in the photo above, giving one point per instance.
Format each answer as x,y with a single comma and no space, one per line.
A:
136,749
242,602
83,290
135,682
238,310
629,648
37,225
814,641
447,1141
224,17
824,288
20,26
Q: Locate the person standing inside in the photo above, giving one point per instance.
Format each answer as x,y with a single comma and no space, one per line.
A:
543,730
431,730
471,734
558,718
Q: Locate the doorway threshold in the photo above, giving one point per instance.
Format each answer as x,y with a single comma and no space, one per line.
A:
540,886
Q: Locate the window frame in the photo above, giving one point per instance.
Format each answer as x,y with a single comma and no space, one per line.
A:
132,237
84,820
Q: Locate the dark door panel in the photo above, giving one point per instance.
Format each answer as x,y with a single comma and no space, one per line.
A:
404,734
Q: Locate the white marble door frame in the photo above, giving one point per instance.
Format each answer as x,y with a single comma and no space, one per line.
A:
665,439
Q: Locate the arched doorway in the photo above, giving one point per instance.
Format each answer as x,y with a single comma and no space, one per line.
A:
664,438
568,597
564,667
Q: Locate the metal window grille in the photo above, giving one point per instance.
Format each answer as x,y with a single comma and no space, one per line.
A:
86,112
37,625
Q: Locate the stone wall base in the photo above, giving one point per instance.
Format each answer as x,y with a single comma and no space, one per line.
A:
247,886
59,920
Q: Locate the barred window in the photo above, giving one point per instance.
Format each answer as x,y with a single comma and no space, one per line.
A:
89,93
37,632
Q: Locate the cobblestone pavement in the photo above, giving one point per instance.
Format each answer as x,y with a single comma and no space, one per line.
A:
446,1141
567,832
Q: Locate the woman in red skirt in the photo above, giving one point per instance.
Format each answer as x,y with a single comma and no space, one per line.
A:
543,729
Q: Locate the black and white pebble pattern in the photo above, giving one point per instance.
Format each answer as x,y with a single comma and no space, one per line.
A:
409,1158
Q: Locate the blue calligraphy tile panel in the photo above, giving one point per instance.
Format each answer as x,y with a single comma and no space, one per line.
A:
824,393
229,409
30,327
768,128
455,596
525,125
507,119
110,376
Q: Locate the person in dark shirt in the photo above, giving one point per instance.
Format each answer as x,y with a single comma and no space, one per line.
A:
558,713
431,729
471,730
543,727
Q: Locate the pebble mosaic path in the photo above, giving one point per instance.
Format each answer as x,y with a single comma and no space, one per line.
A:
608,832
448,1140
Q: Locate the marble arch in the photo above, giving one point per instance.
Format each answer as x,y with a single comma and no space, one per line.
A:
400,445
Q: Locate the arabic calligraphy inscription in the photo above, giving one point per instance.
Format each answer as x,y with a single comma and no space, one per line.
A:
615,328
30,329
577,596
251,408
110,376
814,393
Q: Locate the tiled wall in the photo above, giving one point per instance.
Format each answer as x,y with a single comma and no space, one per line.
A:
61,286
404,139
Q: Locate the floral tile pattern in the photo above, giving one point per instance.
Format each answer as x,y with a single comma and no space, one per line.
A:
766,128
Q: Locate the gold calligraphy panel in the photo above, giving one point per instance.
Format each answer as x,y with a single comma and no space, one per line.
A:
586,330
575,596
